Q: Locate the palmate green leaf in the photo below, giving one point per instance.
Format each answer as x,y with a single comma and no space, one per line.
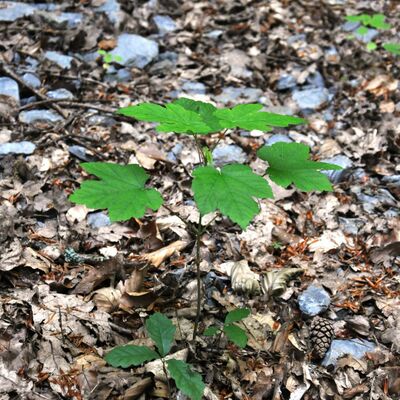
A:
121,190
237,315
196,117
394,48
188,381
230,190
162,332
374,21
289,163
249,116
236,335
174,117
128,355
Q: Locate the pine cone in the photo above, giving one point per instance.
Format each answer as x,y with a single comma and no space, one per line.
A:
321,336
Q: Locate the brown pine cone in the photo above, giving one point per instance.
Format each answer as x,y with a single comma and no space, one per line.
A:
321,336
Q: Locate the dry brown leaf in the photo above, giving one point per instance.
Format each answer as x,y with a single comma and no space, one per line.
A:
156,258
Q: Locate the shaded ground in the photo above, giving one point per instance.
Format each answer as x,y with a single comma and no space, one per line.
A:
61,312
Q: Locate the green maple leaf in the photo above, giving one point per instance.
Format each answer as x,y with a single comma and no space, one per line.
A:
188,381
121,190
230,190
289,163
249,117
162,332
394,48
128,355
196,117
174,117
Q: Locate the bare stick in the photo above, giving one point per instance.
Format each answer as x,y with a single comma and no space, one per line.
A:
8,71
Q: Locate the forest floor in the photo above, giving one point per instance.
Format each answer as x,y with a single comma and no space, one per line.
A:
74,285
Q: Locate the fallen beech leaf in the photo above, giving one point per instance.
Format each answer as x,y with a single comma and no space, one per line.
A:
157,257
274,283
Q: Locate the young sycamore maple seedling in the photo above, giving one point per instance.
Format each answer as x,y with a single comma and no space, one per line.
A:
376,21
233,332
162,331
232,190
108,58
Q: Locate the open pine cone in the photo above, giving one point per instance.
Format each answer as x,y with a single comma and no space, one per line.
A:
321,336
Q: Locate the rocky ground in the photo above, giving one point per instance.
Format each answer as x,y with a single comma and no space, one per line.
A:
73,284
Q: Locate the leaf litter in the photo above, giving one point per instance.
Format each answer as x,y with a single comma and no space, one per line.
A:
59,318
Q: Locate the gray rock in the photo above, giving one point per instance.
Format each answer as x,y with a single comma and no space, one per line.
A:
285,82
61,60
215,34
8,87
165,24
351,226
368,37
311,98
135,50
31,80
60,94
11,11
228,154
175,152
112,9
278,137
316,80
353,347
79,152
232,94
98,219
32,116
23,147
350,26
314,300
194,87
336,176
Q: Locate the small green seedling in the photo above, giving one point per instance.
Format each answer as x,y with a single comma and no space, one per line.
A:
108,58
376,21
162,331
233,332
234,189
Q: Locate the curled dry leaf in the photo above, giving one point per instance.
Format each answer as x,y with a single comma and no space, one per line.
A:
274,283
157,257
107,299
243,279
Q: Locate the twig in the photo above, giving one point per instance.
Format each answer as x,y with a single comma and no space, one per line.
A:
8,71
72,104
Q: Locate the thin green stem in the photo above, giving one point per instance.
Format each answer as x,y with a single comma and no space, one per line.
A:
199,234
202,159
166,376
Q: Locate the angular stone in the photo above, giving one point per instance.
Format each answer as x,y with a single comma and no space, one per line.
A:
228,154
98,219
336,176
60,94
135,50
353,347
32,116
314,300
165,24
31,80
61,60
8,87
311,98
23,147
11,11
